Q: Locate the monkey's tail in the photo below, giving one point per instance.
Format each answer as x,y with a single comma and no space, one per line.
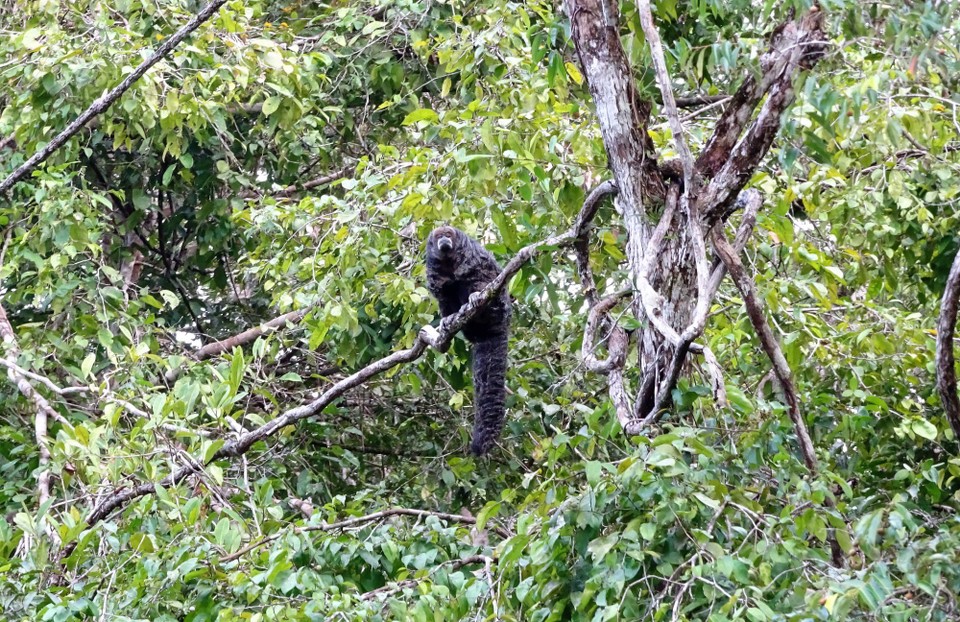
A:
489,382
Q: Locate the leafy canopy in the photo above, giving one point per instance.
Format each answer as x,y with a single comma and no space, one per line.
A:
180,217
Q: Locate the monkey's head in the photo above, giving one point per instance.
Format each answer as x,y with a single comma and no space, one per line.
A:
443,242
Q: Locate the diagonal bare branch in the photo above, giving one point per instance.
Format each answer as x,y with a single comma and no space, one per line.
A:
786,43
105,101
769,343
219,347
803,44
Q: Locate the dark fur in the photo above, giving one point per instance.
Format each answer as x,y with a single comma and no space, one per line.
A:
454,271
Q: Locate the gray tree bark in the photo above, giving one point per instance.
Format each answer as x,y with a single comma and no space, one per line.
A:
692,197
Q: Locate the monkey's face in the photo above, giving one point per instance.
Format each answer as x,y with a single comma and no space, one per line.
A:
443,242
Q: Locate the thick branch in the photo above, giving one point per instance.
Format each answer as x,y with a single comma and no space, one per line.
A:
751,199
687,203
651,302
700,100
622,114
102,103
650,298
946,363
219,347
735,171
788,44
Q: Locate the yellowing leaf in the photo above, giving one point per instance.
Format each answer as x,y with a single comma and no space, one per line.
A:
272,59
30,39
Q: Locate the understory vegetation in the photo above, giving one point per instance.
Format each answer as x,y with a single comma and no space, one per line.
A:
288,160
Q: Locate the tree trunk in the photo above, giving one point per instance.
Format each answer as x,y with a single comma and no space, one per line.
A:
668,265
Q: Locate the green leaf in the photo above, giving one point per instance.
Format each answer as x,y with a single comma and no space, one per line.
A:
593,472
648,531
143,543
601,546
87,365
704,499
270,105
923,428
422,114
210,449
488,511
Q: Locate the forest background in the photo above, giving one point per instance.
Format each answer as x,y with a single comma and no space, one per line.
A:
218,403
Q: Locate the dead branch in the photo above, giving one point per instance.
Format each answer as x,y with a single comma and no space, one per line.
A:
700,100
102,103
310,184
11,366
946,362
219,347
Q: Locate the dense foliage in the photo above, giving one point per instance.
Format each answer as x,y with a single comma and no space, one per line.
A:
294,156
